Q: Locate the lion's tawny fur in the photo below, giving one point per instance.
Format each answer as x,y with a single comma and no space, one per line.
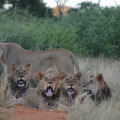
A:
59,59
99,89
13,87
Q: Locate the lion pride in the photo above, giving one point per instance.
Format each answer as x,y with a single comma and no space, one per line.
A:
60,59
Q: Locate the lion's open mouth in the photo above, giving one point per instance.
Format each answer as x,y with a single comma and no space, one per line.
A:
71,89
21,83
49,91
88,91
84,89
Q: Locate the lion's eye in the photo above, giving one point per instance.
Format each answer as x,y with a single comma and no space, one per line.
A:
17,71
24,71
45,78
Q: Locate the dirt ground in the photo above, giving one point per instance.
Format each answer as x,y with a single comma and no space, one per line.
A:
22,112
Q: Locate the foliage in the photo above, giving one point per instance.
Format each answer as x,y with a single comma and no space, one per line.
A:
1,3
88,30
31,32
98,29
35,7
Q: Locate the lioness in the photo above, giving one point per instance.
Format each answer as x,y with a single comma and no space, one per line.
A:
46,95
99,89
60,59
18,81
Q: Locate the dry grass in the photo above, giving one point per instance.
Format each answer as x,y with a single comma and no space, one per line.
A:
2,88
111,72
4,115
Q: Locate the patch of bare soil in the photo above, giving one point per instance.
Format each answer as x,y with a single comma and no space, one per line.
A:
22,112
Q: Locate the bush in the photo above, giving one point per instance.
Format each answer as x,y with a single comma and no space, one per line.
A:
88,31
31,32
97,28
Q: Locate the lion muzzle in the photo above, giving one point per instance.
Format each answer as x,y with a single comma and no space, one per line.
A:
21,82
49,91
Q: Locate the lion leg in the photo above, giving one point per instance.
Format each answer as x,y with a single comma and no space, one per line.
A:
43,105
82,98
65,68
46,107
65,65
63,108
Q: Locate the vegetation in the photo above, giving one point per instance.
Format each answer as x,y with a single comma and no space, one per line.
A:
35,7
89,30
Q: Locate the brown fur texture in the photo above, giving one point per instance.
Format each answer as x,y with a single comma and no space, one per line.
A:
18,81
70,89
31,98
98,88
48,91
59,59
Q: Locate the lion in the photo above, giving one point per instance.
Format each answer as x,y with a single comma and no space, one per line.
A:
60,59
70,89
17,81
98,88
71,93
47,94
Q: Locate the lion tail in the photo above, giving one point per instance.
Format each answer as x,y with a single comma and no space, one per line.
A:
75,62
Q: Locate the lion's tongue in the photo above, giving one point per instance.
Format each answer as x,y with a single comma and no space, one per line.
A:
49,92
21,82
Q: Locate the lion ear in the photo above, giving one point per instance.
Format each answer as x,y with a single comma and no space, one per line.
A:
13,66
99,77
41,75
28,66
78,76
61,76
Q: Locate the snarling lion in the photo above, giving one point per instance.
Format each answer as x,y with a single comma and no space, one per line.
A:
46,95
59,59
18,81
71,93
70,89
98,88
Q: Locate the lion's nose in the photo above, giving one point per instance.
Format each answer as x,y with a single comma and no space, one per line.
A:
50,82
71,84
20,76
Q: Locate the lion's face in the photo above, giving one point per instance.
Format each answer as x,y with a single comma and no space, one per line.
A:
70,83
20,74
94,84
49,85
